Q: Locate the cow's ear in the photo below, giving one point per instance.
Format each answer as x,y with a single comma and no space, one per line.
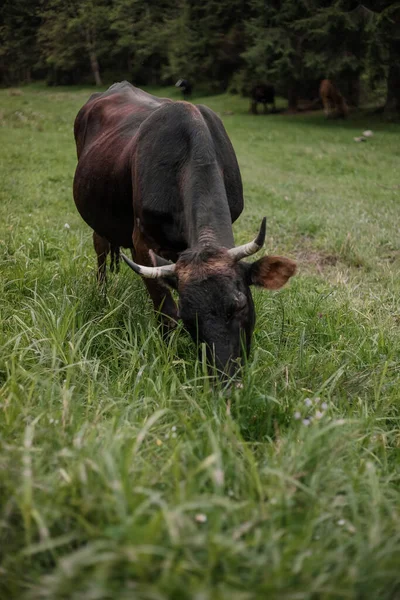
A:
271,272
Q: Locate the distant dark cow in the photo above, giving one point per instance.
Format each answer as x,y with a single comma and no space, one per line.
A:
185,86
333,102
159,176
262,93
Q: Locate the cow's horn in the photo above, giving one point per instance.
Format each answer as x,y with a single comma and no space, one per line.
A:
149,272
252,247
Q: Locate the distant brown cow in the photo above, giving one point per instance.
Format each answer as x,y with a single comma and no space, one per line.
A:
332,100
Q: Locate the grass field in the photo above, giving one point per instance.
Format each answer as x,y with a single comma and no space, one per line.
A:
124,474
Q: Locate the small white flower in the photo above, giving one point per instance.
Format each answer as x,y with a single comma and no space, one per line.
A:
324,406
173,428
308,401
66,226
166,436
219,476
297,415
368,133
173,435
318,414
351,528
341,522
200,518
317,400
306,422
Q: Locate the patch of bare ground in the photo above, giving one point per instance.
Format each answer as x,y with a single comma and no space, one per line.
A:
313,259
310,259
391,256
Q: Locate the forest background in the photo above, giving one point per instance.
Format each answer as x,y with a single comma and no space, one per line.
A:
219,45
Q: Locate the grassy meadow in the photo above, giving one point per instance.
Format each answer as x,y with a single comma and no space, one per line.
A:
124,474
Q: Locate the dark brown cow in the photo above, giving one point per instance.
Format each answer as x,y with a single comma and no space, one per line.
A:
333,102
159,176
185,86
262,93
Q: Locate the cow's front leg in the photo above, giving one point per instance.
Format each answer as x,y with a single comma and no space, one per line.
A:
253,108
163,302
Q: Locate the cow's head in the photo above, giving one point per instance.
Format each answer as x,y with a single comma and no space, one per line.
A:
215,301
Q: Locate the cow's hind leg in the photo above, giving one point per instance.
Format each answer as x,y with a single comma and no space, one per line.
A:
102,248
115,258
328,108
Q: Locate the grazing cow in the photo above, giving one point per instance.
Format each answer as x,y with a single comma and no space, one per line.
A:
262,93
185,86
333,102
159,176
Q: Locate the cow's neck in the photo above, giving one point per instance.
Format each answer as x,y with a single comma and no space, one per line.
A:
207,213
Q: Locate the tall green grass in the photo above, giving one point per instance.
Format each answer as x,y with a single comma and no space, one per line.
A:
124,473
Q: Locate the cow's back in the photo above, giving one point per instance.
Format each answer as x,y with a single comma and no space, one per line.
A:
121,109
264,93
135,154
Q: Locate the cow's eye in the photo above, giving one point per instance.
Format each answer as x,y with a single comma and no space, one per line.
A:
240,302
236,307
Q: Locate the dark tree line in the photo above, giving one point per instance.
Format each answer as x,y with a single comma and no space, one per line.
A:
220,44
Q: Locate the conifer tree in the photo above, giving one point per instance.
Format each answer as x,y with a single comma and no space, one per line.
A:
384,50
276,46
19,23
